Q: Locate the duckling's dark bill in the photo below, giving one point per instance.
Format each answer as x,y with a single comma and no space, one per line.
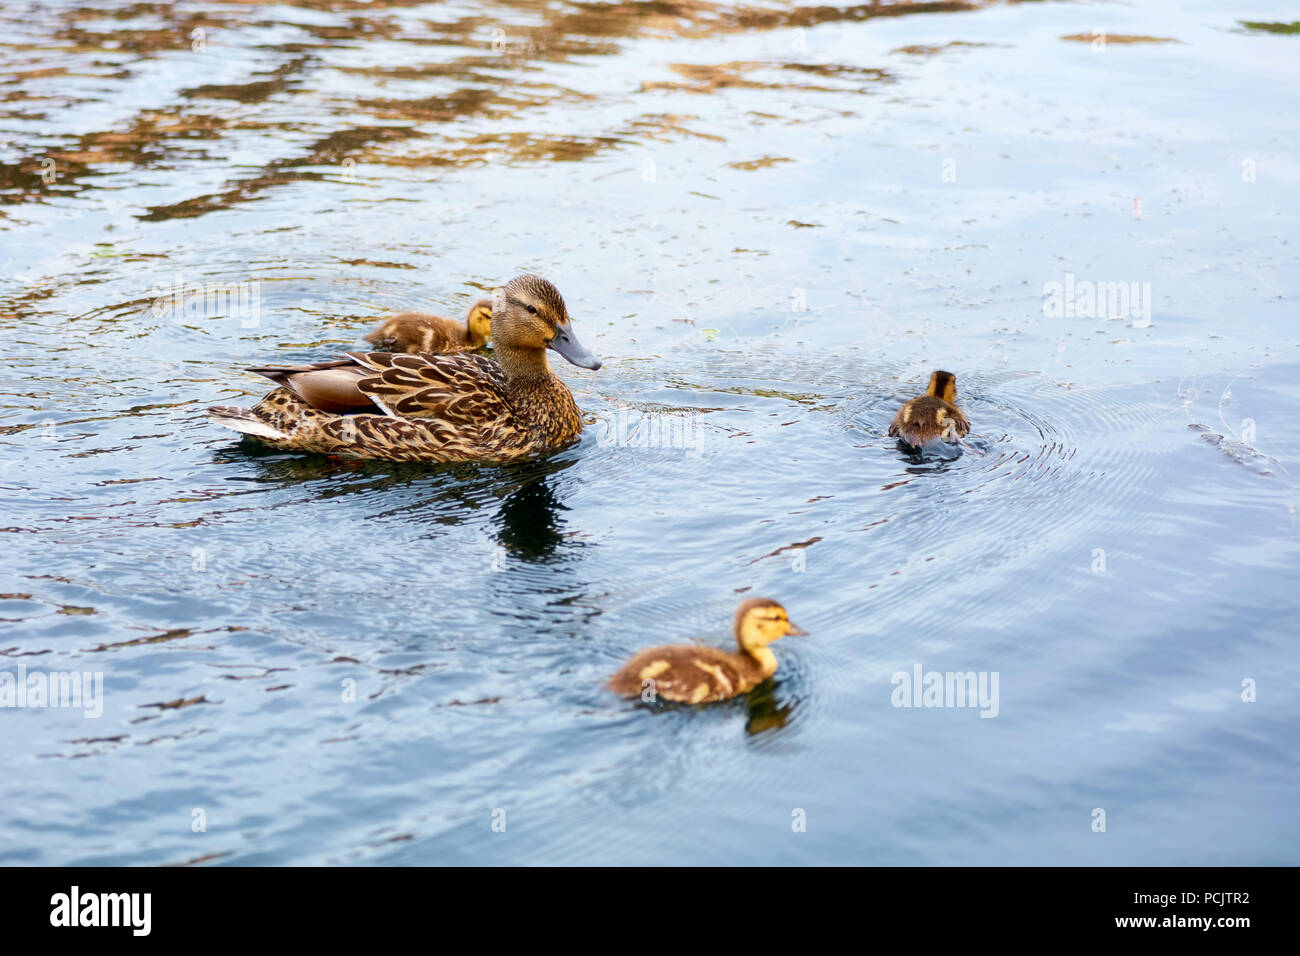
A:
572,350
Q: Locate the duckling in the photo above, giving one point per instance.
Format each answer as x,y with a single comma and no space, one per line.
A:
421,332
933,416
389,406
696,675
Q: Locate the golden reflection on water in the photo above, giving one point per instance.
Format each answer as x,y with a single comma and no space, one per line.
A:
489,66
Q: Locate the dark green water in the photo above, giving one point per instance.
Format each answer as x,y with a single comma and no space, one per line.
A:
771,223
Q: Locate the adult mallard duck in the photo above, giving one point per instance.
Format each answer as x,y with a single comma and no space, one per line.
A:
416,332
933,416
436,408
696,675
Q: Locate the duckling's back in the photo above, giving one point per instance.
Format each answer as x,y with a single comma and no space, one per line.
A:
688,674
414,332
927,419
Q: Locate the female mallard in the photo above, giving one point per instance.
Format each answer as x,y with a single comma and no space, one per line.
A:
436,408
933,416
698,675
421,332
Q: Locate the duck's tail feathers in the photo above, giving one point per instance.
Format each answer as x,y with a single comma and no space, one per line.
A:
243,420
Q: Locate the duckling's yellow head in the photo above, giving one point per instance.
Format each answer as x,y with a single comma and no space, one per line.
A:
943,385
529,313
480,321
760,621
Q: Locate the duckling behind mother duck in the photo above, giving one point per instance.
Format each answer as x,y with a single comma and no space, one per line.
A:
417,332
433,408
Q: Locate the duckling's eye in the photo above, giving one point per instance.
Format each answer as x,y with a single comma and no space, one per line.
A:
532,309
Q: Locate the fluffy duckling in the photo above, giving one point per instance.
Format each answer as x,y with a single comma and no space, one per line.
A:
933,416
387,406
421,332
696,674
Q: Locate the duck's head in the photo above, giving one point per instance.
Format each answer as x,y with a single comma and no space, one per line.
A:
760,621
480,322
529,313
943,385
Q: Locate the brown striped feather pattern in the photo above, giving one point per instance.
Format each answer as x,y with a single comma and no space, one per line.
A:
393,406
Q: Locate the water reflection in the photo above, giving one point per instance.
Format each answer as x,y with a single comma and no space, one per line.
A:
765,710
295,58
767,707
529,521
765,286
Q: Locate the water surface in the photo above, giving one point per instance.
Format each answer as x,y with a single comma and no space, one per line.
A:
771,222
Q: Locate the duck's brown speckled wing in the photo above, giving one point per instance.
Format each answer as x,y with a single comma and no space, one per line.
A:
430,408
461,391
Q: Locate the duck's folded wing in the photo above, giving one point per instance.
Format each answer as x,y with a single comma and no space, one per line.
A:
465,389
327,386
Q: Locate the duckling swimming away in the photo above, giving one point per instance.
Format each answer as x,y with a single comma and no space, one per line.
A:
414,332
933,416
388,406
697,675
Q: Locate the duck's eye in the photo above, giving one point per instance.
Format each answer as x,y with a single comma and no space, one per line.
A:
532,309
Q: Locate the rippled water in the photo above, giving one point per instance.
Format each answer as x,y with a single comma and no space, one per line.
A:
771,222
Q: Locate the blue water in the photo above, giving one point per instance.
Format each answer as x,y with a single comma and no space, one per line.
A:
771,226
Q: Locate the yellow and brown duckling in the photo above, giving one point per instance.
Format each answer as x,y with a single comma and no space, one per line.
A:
696,674
933,416
415,332
389,406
